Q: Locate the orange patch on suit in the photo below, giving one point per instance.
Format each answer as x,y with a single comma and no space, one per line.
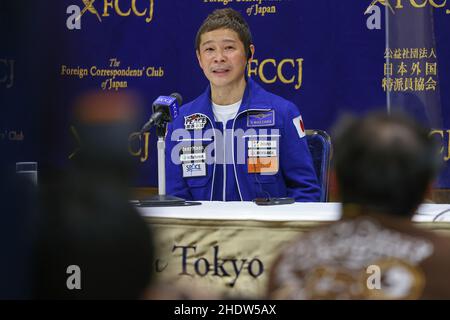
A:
263,165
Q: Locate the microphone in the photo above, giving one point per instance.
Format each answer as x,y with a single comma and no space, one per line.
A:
165,109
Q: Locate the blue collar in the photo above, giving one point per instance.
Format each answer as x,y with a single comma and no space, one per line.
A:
204,104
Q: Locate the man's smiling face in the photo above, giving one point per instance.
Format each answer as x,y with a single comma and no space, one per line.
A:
222,57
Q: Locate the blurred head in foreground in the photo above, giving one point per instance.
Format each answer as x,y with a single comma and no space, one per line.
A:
93,244
101,124
384,166
385,163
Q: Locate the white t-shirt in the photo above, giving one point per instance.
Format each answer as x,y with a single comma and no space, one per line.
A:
225,113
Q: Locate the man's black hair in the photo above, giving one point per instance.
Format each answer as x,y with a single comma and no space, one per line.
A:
226,18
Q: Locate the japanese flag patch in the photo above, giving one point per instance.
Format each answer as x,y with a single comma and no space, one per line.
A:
299,126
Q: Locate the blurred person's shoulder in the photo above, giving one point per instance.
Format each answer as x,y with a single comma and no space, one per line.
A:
362,258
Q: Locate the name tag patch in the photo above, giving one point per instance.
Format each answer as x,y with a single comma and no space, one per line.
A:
192,157
261,118
193,161
194,169
256,144
262,153
262,156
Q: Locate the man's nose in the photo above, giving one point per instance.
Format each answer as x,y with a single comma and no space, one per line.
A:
219,57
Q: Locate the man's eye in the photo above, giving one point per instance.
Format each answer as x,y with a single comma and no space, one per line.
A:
209,49
229,48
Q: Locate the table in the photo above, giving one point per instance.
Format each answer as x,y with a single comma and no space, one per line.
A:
228,247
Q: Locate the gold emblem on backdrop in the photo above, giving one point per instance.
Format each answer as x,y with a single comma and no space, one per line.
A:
393,5
123,8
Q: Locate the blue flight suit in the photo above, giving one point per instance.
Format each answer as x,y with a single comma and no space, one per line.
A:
200,171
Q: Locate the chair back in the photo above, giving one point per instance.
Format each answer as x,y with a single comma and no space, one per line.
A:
319,143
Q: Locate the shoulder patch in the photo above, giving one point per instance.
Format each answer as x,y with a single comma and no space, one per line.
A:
299,126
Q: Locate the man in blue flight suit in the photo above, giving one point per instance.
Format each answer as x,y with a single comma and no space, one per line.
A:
236,141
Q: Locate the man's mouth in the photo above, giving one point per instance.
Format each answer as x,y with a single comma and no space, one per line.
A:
220,70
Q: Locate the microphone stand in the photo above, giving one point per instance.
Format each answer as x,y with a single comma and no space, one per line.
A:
162,200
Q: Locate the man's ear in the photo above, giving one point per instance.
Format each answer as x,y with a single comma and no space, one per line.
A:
251,53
